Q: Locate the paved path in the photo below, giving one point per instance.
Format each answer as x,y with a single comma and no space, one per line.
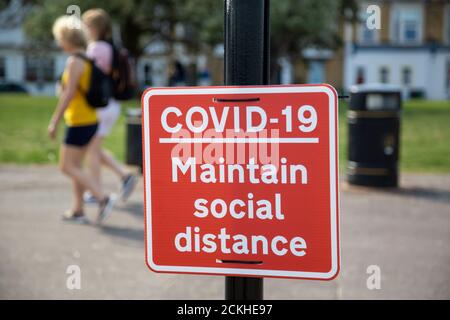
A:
405,232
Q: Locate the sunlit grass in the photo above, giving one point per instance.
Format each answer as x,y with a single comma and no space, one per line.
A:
425,133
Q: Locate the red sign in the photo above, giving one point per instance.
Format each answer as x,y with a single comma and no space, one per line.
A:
242,180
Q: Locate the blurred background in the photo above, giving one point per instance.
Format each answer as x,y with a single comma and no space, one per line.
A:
311,42
180,42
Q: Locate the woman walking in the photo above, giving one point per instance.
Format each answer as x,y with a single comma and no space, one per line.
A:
100,50
80,119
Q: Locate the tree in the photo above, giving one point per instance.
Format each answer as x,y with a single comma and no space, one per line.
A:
294,25
138,19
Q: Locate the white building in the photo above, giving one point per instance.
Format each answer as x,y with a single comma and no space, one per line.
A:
21,62
39,69
411,49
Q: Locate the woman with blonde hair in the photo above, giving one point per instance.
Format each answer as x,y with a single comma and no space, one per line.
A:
80,119
100,50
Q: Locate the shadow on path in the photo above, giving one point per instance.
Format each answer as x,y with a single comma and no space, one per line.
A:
431,194
124,233
435,194
136,209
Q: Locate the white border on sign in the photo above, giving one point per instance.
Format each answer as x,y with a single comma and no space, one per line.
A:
333,181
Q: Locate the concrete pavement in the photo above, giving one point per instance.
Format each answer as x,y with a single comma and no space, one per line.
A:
405,232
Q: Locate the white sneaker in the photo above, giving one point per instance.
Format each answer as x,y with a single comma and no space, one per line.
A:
88,198
128,185
105,207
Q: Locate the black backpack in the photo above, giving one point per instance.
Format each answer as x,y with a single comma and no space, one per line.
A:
123,74
100,86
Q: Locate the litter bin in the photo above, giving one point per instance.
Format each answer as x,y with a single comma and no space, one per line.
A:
134,138
373,135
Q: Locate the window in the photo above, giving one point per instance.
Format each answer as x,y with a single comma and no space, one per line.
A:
31,69
316,72
48,66
384,75
360,75
148,74
406,76
39,69
367,36
2,68
407,24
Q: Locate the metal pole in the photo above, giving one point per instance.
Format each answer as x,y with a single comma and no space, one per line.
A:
246,62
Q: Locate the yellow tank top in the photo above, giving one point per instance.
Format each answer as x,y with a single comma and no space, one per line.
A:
79,112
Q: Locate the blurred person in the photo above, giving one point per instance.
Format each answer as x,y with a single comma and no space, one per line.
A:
80,119
100,49
177,74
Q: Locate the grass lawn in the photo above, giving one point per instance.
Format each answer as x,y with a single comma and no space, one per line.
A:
425,128
23,130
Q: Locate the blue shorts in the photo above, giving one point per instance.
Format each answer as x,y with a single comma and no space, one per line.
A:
80,136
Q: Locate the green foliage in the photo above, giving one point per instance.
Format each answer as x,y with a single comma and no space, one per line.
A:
298,24
138,19
294,23
206,18
38,25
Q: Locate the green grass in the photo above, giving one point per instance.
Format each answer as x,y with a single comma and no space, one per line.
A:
23,130
425,138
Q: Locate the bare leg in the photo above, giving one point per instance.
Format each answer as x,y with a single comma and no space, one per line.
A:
128,180
109,161
70,163
95,159
99,156
78,196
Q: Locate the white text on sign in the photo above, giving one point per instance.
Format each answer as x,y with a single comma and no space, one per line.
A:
173,120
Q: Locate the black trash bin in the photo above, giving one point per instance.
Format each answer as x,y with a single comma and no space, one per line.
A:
134,138
373,135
